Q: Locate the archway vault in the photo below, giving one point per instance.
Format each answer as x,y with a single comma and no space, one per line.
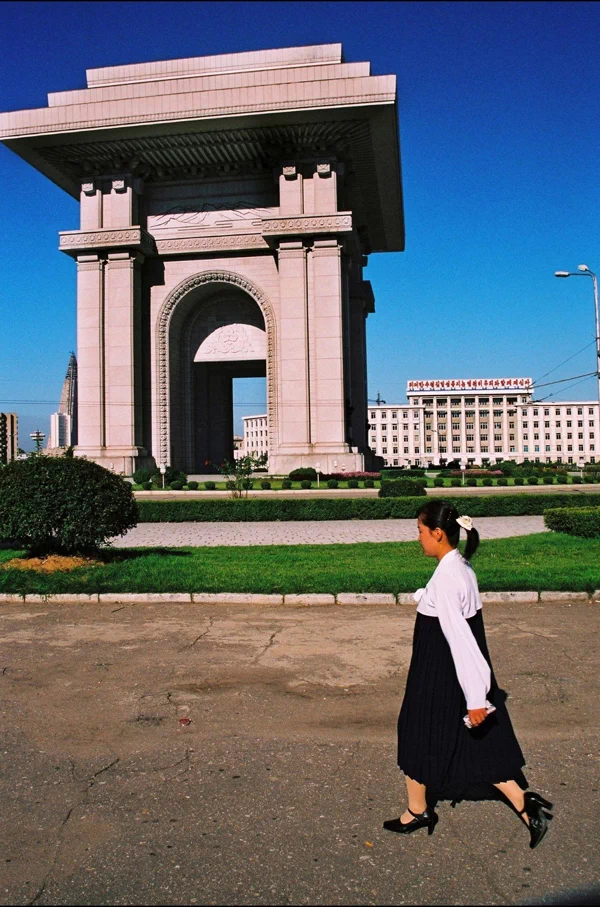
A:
204,279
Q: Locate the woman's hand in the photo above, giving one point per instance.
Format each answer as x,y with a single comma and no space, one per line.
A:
476,716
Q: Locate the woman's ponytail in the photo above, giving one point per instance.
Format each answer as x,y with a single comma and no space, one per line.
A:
472,543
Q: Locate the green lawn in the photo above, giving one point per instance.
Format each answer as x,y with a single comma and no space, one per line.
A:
535,562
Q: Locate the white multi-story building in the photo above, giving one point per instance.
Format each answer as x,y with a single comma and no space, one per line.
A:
256,439
482,421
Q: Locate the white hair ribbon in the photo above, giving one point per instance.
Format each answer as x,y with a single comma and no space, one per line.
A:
466,522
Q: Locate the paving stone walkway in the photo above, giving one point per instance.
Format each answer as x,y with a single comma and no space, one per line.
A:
309,532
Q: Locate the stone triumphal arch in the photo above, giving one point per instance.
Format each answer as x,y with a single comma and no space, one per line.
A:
228,206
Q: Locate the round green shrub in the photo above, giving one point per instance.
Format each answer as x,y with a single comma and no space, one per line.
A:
548,480
487,482
438,483
176,486
210,486
589,480
532,480
352,483
472,483
455,483
369,483
332,483
502,481
286,483
147,486
519,480
576,480
192,485
265,484
247,484
142,475
562,480
305,472
63,504
306,483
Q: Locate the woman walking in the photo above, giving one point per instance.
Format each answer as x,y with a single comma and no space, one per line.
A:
454,730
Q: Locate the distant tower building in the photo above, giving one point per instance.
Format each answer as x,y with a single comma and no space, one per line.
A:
63,424
9,437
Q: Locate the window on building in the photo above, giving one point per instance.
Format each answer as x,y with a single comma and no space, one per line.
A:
483,437
547,447
511,424
536,436
570,459
580,424
483,425
568,410
497,413
470,438
428,402
394,415
404,414
416,450
497,400
591,434
442,450
547,436
484,450
580,435
406,450
497,424
498,449
581,447
591,411
580,411
469,401
535,412
415,415
525,424
442,401
558,436
537,448
384,450
526,448
569,447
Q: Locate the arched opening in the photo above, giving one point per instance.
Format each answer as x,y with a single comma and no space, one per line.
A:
217,333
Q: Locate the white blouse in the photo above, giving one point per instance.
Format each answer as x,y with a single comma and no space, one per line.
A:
452,595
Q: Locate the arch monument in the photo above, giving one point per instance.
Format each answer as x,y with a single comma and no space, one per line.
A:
228,205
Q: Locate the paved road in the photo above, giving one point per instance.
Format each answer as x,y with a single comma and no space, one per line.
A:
275,792
308,533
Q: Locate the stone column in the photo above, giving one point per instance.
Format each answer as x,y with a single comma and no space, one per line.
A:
326,349
90,356
294,430
122,359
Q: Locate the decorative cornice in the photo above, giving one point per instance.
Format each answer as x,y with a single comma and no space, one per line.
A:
211,243
162,336
307,224
73,242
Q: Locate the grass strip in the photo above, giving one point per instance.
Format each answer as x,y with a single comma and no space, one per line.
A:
536,562
226,510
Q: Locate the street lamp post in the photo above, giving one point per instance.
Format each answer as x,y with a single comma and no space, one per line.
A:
584,271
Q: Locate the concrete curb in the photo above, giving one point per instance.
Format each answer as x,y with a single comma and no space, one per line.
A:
307,599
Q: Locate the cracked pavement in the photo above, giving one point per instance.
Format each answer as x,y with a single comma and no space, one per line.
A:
275,791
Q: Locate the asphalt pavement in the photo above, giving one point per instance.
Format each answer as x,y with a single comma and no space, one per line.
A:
189,754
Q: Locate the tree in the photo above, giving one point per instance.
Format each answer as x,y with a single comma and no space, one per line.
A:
237,473
63,504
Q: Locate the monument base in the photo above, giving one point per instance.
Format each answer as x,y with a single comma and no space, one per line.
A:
122,461
326,463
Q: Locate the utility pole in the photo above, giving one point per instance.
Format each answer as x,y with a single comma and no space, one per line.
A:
38,437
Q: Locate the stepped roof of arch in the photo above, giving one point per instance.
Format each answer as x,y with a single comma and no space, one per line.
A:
241,113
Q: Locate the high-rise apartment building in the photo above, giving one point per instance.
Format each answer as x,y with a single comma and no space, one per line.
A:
63,424
9,437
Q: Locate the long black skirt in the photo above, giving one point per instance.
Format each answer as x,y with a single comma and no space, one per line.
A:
434,745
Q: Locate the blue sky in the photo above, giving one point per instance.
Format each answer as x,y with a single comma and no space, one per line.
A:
500,132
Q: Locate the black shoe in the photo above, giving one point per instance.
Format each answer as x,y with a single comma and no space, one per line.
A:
538,817
427,819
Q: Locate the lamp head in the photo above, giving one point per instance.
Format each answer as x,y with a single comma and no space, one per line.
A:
561,273
582,268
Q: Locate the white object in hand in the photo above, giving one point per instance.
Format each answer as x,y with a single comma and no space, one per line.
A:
489,709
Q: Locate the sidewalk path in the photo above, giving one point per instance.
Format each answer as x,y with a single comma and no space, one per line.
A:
308,533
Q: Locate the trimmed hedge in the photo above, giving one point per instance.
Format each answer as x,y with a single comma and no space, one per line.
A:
256,510
402,488
584,521
304,472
